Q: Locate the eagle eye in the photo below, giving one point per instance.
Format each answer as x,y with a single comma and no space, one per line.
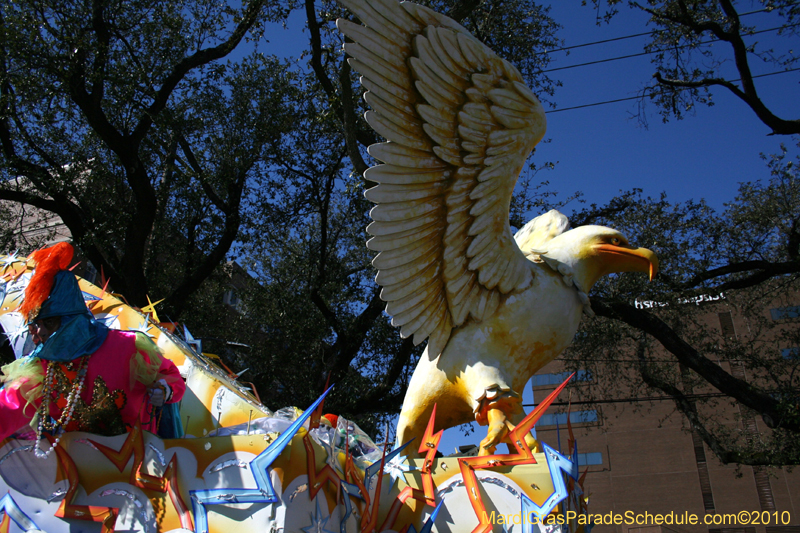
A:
615,241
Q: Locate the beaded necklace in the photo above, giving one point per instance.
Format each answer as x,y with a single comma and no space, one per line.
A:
48,388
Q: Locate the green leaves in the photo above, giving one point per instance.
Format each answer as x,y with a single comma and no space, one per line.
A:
126,121
702,334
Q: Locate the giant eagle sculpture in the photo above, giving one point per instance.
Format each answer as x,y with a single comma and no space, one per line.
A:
460,123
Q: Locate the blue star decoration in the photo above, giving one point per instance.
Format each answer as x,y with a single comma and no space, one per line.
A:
143,327
317,522
89,297
393,458
196,344
428,525
265,492
348,489
397,467
10,259
555,464
10,507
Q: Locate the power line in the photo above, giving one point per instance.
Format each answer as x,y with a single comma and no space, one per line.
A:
634,399
632,36
639,54
611,40
642,96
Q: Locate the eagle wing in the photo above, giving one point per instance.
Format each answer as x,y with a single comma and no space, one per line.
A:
460,123
533,237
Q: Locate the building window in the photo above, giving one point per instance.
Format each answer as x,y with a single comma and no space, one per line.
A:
590,459
576,417
542,380
791,353
230,298
783,529
782,313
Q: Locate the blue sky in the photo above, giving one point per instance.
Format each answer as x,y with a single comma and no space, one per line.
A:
603,149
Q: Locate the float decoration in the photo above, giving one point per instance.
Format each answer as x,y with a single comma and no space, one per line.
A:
279,474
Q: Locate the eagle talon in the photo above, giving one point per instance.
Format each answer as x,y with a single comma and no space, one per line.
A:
499,426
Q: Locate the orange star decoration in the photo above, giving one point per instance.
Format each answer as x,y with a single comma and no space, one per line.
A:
12,267
369,519
99,303
134,446
316,480
5,523
429,445
107,516
524,456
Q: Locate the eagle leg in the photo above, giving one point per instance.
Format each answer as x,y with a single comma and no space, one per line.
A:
499,426
501,414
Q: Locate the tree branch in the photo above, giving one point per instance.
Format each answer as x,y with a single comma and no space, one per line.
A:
201,175
348,343
399,360
748,94
463,9
186,65
765,270
349,121
192,281
686,354
687,406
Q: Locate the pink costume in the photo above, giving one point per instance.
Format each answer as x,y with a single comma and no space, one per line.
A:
115,387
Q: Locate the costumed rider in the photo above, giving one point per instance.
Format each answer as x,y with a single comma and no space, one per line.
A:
81,376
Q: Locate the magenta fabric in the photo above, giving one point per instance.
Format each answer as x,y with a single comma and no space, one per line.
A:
112,362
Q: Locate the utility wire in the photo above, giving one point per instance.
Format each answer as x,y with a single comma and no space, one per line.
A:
639,54
651,94
634,399
611,40
632,36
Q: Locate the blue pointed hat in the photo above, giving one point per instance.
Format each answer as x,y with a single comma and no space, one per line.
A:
54,291
66,298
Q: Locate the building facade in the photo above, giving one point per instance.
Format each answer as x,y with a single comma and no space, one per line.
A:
643,459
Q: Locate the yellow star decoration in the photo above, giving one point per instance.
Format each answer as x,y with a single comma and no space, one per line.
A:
151,309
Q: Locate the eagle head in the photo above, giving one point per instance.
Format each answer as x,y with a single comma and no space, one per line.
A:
595,251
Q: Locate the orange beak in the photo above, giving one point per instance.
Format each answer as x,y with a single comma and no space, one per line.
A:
624,259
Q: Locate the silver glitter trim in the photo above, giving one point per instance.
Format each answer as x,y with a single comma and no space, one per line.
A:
57,495
500,483
15,450
298,490
490,480
87,443
124,493
225,464
132,497
160,455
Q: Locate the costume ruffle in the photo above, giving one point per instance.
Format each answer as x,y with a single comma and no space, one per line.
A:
25,376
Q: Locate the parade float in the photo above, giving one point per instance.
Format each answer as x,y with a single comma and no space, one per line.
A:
241,465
